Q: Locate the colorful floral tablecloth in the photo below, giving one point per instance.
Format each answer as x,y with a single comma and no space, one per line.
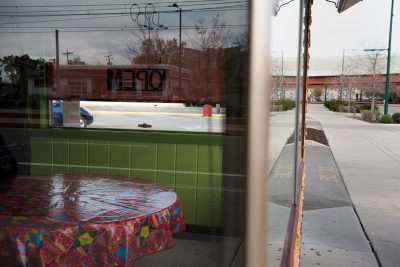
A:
82,220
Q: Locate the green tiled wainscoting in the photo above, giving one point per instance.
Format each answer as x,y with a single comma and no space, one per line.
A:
191,163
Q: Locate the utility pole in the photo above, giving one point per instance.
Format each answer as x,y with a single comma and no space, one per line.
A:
180,49
67,53
147,19
109,57
388,63
57,64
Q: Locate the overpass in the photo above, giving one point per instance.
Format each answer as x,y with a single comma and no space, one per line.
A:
332,82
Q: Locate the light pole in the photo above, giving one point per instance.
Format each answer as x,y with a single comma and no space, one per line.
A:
149,16
341,78
282,92
180,48
386,107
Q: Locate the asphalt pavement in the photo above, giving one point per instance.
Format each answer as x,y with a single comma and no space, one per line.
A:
160,116
392,108
368,158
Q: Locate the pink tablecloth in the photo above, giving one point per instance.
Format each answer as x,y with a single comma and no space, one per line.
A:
82,220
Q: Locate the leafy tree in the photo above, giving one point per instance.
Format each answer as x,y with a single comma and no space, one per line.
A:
16,69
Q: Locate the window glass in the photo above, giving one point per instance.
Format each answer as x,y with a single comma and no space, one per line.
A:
285,102
109,111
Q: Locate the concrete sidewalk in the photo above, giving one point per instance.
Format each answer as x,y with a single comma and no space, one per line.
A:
368,157
332,234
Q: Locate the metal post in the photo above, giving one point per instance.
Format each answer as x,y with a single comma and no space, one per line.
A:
282,93
180,49
58,90
388,63
341,78
148,48
298,97
257,156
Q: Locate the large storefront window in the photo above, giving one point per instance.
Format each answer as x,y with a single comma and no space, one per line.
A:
124,134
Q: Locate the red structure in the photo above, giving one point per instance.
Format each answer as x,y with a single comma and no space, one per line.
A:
333,81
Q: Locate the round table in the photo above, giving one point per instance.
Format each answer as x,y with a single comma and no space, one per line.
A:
85,220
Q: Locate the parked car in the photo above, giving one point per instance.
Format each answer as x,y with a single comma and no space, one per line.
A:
86,118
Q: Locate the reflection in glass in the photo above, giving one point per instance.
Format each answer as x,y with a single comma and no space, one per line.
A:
155,91
284,130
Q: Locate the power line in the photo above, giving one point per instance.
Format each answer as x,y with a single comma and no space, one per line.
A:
220,8
116,29
122,4
94,16
216,6
58,20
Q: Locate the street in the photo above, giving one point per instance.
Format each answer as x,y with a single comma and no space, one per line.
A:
161,116
392,108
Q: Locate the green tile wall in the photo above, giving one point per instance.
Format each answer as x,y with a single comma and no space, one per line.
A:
189,163
120,158
78,156
60,155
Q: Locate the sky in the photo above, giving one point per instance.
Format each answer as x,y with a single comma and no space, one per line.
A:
365,25
93,39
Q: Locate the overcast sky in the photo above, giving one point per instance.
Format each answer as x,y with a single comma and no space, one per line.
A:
364,25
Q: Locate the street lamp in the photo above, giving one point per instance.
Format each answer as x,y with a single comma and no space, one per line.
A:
388,64
180,47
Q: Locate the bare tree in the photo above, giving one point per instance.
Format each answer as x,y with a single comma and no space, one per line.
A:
154,50
242,40
142,47
277,78
76,61
281,79
282,76
375,65
348,73
206,37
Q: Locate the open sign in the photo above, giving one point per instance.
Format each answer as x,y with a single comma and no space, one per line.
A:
136,79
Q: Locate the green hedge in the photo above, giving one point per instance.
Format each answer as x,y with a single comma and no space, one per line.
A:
386,119
283,105
396,118
334,105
